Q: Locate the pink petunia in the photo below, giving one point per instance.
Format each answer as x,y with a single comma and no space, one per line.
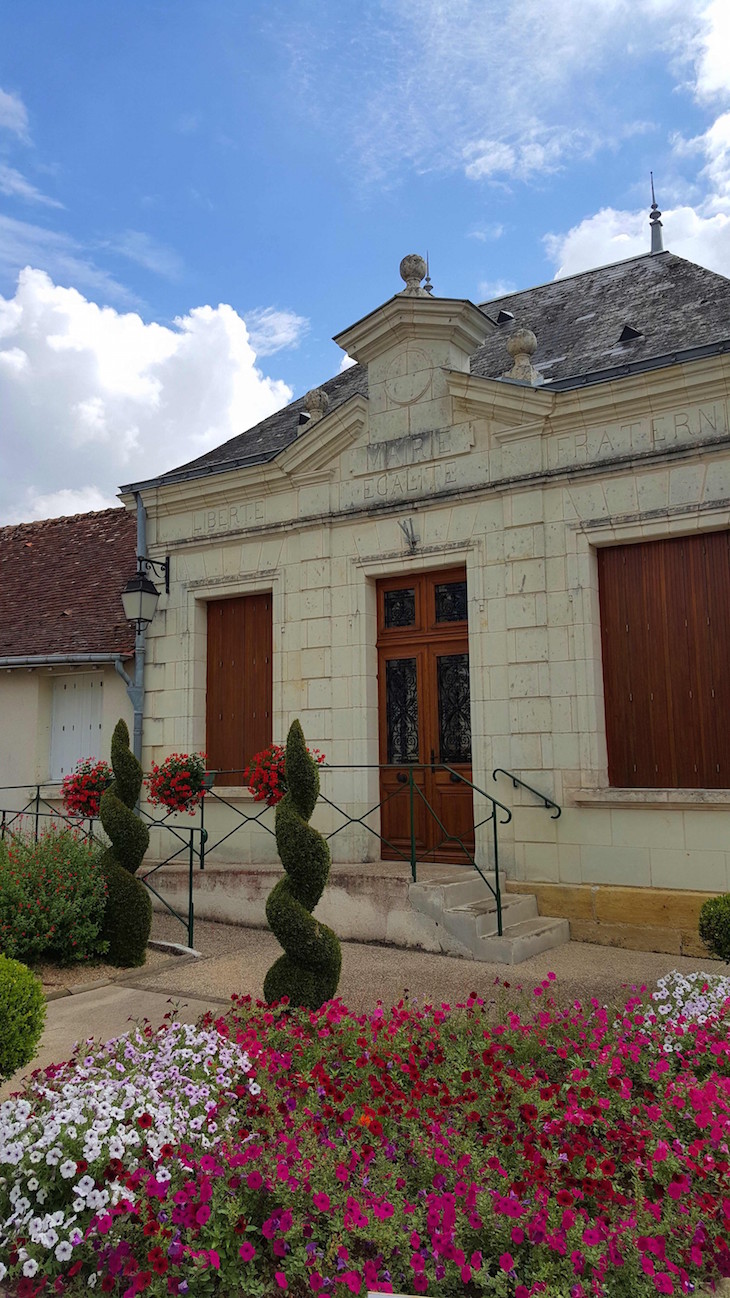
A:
663,1283
281,1280
246,1251
507,1262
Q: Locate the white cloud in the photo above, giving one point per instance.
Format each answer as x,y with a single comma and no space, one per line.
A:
539,152
346,363
271,329
13,115
700,232
15,185
145,251
715,144
612,235
81,500
92,397
491,88
710,48
488,157
23,244
485,233
491,288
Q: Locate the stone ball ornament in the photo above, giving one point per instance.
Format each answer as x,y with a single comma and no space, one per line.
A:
317,403
521,343
413,269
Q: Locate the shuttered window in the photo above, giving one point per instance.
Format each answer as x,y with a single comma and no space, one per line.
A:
665,629
75,722
239,683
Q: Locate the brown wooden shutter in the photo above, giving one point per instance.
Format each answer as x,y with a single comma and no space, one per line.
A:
665,630
239,683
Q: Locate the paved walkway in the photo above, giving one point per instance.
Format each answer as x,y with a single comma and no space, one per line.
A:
236,959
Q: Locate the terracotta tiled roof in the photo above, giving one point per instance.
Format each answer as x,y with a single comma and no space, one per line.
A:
60,585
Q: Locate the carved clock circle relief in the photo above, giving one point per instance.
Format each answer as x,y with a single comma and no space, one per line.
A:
408,377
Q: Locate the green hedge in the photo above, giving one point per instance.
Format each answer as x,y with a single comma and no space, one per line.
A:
714,926
22,1015
52,898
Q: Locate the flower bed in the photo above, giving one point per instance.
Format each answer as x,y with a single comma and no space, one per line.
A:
423,1150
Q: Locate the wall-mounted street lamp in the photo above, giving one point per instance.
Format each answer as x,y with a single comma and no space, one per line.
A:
140,595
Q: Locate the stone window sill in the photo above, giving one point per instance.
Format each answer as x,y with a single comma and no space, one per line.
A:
234,793
658,798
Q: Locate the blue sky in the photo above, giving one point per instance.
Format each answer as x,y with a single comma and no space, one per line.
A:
195,197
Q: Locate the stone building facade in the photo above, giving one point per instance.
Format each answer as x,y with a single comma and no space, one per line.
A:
500,540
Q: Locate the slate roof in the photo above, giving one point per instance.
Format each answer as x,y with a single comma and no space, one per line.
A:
578,320
61,582
673,303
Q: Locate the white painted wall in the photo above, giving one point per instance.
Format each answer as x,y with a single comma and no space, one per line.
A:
26,709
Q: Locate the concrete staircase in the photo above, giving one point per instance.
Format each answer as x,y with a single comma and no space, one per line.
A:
462,913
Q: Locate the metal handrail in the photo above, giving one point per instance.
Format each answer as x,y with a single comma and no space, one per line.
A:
415,791
516,781
499,814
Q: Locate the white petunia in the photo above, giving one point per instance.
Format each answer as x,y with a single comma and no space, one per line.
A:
67,1169
30,1267
63,1251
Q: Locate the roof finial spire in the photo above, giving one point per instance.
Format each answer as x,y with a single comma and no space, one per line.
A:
427,282
657,244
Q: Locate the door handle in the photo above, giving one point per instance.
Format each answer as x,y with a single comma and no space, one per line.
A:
401,777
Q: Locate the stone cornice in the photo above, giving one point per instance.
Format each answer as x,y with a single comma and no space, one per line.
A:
523,411
415,319
307,459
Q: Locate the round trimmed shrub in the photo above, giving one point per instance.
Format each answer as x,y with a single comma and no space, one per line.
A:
309,970
714,927
22,1015
128,917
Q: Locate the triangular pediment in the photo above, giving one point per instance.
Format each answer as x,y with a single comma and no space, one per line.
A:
324,441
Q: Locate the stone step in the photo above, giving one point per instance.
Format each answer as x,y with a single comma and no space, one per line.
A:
433,896
481,915
461,913
522,941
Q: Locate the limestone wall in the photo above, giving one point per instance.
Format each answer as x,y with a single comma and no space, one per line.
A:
523,489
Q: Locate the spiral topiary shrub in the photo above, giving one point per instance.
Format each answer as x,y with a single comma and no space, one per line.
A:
714,926
128,916
309,970
22,1015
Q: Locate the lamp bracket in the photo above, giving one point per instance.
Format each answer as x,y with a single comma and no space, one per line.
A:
160,567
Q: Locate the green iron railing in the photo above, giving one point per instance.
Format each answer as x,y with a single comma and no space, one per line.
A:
522,784
37,808
195,845
498,814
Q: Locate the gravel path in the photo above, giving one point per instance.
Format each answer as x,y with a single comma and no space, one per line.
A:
236,959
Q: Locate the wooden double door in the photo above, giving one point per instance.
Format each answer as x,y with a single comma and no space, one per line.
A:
424,716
